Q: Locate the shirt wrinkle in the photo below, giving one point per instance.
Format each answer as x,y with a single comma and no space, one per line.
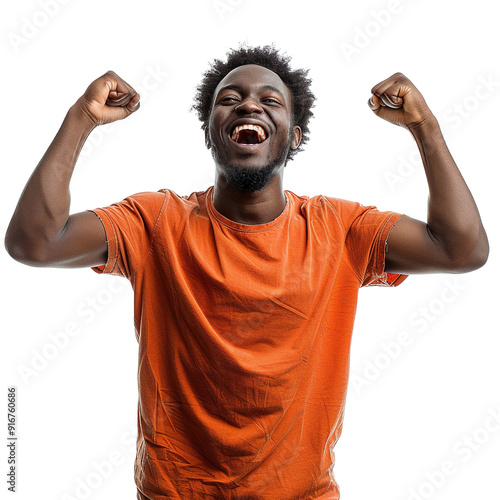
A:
244,336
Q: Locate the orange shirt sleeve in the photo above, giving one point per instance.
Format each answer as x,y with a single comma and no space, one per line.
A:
375,226
366,230
130,227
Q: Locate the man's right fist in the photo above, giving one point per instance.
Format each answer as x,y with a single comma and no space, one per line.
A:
107,99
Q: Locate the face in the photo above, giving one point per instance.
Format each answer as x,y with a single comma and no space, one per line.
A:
250,129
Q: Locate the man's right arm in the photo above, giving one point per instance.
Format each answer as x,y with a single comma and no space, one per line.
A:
41,232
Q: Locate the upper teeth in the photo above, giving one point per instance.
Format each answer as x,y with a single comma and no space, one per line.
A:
248,126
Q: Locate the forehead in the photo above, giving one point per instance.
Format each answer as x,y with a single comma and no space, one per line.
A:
253,75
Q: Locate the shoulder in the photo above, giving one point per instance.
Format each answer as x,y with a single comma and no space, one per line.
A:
347,209
328,207
145,198
156,199
196,197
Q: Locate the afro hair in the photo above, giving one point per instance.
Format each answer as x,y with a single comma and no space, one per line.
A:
269,57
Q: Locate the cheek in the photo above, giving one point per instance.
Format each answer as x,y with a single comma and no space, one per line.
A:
212,131
214,126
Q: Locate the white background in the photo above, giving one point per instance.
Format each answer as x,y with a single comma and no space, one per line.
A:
406,414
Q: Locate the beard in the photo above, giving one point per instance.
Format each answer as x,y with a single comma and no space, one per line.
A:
251,180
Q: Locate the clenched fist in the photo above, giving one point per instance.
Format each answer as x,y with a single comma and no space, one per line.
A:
398,101
107,99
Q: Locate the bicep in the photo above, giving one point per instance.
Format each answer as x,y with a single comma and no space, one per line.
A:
82,243
411,249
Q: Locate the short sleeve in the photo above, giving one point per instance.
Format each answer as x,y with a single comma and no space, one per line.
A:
366,241
130,228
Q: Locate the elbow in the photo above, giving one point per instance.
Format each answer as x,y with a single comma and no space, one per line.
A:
480,257
13,248
481,253
30,255
472,263
475,259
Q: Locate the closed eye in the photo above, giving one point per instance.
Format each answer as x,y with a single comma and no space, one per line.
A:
271,100
228,99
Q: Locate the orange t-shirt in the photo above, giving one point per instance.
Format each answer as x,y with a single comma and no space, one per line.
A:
244,335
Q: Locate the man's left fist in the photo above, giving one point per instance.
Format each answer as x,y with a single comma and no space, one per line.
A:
398,101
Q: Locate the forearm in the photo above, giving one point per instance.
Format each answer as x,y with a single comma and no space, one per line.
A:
43,208
453,219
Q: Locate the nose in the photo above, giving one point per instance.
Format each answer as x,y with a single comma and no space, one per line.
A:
248,106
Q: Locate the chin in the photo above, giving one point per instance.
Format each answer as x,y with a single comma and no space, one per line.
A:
249,178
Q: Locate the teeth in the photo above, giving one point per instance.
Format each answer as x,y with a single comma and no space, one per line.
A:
248,126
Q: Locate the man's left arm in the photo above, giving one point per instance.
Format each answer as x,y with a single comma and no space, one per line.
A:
453,240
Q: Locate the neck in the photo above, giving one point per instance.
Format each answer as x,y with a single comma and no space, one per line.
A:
252,208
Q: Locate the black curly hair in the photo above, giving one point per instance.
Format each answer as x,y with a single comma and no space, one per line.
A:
269,57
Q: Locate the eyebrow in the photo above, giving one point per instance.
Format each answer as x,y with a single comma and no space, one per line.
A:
262,87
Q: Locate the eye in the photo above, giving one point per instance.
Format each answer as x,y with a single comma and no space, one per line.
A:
271,100
228,99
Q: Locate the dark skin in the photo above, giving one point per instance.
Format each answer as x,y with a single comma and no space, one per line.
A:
453,239
251,94
43,233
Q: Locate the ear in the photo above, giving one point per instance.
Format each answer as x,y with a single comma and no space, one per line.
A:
208,144
296,137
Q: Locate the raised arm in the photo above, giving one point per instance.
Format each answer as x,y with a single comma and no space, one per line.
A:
453,240
41,232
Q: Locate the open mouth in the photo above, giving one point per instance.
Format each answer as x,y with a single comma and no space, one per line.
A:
248,134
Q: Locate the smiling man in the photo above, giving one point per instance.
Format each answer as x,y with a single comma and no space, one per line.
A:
245,293
251,131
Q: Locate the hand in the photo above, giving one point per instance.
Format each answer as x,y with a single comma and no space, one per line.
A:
107,99
398,101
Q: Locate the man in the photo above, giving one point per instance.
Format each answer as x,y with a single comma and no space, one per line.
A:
245,294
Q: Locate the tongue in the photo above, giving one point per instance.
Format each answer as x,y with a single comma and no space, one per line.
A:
247,137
